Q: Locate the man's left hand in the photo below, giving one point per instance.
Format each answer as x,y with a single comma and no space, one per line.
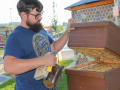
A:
68,26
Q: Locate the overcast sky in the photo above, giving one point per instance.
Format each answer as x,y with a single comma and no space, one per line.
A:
63,15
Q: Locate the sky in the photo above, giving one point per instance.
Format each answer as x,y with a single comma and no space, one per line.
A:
9,13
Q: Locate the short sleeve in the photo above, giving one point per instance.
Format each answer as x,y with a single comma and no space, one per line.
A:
50,39
13,47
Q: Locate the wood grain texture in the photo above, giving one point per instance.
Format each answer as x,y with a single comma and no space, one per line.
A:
98,40
92,80
76,82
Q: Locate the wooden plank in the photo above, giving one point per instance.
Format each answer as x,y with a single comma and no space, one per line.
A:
85,73
113,79
100,61
113,41
103,2
84,83
108,61
82,65
91,24
88,37
86,48
112,53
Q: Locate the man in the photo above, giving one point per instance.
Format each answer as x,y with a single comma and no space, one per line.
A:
29,46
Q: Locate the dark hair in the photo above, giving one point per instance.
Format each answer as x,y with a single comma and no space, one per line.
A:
27,5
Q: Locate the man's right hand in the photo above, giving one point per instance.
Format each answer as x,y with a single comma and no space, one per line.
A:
49,60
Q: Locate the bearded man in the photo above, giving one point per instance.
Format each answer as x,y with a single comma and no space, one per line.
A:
29,46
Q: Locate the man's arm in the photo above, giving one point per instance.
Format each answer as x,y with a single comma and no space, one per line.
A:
13,65
59,44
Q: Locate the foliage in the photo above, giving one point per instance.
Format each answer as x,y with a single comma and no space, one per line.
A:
60,28
3,39
54,21
62,81
2,48
60,34
7,26
2,52
15,27
64,24
62,84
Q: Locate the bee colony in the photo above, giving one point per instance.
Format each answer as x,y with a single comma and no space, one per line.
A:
100,41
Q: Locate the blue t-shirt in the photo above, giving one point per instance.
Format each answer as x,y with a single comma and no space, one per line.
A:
24,43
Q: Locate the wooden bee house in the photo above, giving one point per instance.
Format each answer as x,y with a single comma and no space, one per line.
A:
101,41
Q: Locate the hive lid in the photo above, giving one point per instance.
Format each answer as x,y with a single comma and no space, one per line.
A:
99,40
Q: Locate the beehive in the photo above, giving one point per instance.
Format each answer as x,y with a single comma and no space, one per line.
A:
99,40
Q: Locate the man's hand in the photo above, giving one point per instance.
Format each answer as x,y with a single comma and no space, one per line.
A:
13,76
49,59
68,26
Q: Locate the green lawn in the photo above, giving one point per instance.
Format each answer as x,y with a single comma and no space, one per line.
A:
1,52
61,84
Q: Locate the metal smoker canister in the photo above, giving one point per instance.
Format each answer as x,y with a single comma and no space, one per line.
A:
52,77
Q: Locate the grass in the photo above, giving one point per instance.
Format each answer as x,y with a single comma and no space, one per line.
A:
62,81
7,74
61,84
1,52
2,48
3,37
8,85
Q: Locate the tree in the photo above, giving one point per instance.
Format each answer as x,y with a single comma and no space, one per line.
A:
60,28
54,24
64,24
54,21
7,26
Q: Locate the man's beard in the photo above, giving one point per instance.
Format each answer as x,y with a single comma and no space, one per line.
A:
34,27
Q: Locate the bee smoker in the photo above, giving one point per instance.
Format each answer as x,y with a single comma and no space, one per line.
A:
52,77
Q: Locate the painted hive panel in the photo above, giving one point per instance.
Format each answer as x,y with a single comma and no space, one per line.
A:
94,14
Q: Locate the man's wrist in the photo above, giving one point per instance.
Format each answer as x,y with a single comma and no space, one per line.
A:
68,31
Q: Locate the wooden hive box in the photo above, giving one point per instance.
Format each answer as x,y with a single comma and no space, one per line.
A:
101,41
